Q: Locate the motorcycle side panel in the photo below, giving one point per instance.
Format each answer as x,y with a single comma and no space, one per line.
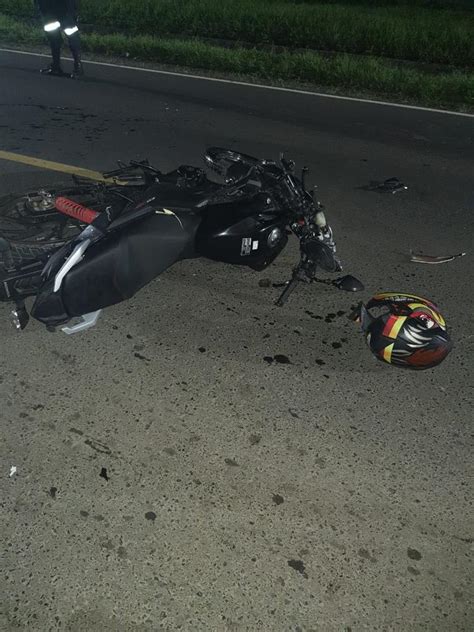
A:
239,233
115,268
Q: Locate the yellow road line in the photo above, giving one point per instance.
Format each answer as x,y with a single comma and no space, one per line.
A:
77,171
55,166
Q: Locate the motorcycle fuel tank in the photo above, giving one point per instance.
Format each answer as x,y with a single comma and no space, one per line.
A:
246,233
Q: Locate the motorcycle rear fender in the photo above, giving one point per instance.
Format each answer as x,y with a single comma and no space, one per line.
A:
116,267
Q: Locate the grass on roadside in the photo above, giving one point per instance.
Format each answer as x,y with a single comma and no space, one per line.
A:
416,33
340,72
431,4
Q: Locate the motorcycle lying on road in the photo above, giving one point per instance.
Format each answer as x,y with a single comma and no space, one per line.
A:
80,249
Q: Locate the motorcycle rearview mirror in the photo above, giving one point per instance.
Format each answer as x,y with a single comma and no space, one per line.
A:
348,283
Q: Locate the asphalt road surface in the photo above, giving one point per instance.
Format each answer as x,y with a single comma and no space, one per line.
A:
331,493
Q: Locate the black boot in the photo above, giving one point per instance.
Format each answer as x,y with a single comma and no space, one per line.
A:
54,71
78,70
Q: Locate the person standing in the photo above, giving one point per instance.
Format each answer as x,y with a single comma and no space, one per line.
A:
57,16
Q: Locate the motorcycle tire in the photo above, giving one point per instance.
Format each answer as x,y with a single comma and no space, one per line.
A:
31,235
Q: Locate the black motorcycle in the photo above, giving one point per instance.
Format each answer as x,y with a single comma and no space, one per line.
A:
80,249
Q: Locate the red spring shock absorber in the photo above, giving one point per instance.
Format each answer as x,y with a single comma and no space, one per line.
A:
75,210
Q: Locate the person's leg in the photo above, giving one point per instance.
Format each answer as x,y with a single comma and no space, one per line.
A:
75,48
69,24
52,28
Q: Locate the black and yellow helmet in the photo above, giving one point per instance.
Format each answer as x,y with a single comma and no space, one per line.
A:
408,331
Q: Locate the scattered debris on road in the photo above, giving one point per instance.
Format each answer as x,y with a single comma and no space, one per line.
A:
13,470
420,258
391,185
103,473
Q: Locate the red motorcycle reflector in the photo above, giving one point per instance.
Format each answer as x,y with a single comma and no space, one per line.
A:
75,210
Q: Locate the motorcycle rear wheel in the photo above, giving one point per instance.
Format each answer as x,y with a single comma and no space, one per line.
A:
32,228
